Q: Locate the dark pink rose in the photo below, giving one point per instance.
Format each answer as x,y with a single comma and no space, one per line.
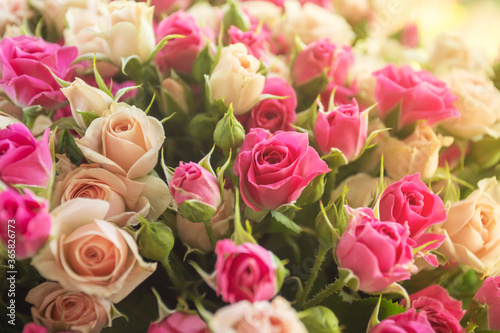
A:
421,95
274,169
24,66
180,322
345,128
24,160
443,312
313,61
489,295
274,114
27,218
244,272
410,321
377,252
33,328
193,182
180,53
255,43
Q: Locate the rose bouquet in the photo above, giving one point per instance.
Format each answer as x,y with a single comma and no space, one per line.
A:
253,166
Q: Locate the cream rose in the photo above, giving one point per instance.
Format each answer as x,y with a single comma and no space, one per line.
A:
260,317
131,32
59,309
127,198
417,153
478,103
473,229
362,188
54,11
266,11
235,79
353,10
83,97
177,92
124,141
12,12
91,255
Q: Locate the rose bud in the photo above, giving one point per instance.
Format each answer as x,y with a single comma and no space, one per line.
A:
274,169
320,319
29,217
179,322
345,128
83,97
60,309
485,306
155,240
245,272
443,312
236,80
409,321
24,160
178,94
376,252
195,191
229,134
313,62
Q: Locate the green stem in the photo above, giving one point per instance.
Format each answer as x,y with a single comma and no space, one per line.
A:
470,328
312,277
325,293
179,285
210,232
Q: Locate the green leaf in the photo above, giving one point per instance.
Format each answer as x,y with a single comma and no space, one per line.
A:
123,91
220,173
160,45
87,116
60,81
100,81
67,123
284,221
203,63
132,63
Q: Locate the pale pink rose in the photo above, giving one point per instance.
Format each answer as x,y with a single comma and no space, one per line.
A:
274,168
91,255
409,36
279,3
255,43
345,128
410,201
24,160
244,272
59,309
353,10
443,312
362,189
489,295
25,65
177,91
179,322
376,252
419,95
127,198
33,328
410,321
274,114
312,61
327,4
180,53
125,129
12,12
27,217
261,317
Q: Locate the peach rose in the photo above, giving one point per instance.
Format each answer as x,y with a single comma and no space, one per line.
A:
127,198
59,309
260,317
473,229
124,141
417,153
91,255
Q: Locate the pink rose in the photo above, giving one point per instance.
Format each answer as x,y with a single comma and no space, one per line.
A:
24,66
179,322
345,128
409,36
327,4
244,272
193,182
421,95
410,321
274,114
274,168
443,312
311,62
180,53
377,252
164,7
27,217
33,328
410,201
24,160
489,295
255,43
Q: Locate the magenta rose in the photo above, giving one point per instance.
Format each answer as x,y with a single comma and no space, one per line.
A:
421,95
180,53
344,128
377,252
443,312
255,42
164,7
274,168
33,328
489,296
410,201
274,114
179,322
24,160
27,218
312,61
25,76
244,272
410,321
